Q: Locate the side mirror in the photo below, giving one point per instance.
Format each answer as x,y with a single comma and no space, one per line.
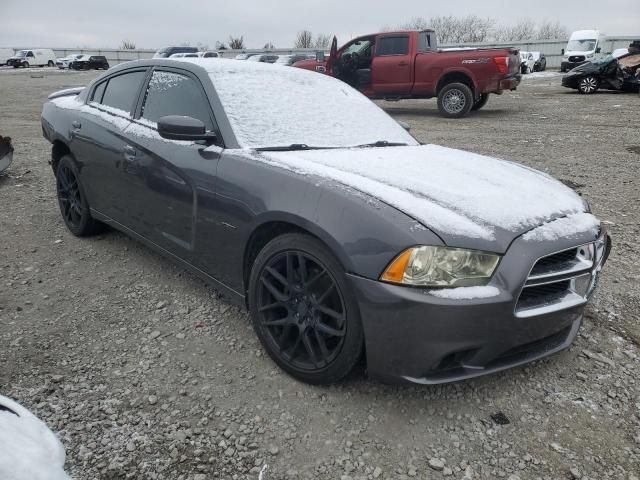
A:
319,56
404,125
178,127
598,50
562,52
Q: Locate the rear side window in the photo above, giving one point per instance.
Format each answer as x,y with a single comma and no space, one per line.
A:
393,46
99,92
122,91
172,93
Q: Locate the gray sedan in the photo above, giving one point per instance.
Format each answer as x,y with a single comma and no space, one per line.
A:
299,198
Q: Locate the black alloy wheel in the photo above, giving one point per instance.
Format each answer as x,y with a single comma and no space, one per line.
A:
72,201
301,310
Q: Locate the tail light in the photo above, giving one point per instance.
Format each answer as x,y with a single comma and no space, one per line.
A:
502,63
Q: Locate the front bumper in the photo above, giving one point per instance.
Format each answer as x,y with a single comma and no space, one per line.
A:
412,336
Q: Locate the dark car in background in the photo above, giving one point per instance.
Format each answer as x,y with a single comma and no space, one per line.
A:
540,60
166,52
263,57
90,62
291,59
340,232
608,73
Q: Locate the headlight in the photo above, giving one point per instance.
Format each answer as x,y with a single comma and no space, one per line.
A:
441,267
590,55
565,57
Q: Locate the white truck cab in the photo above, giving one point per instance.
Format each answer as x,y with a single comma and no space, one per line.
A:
583,46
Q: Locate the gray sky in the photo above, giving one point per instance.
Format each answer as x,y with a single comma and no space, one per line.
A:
157,23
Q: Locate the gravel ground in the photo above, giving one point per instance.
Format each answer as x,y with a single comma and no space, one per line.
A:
146,373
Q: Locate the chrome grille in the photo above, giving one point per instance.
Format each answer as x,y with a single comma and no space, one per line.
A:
576,58
561,280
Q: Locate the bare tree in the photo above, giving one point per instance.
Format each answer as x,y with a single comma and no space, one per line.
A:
524,29
416,23
269,46
203,47
304,39
450,29
127,45
552,31
322,41
236,43
220,45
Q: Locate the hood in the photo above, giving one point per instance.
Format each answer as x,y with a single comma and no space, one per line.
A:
590,67
465,198
310,64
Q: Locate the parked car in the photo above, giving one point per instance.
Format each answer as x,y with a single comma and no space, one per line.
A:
608,73
291,59
64,62
540,62
208,54
90,62
263,57
6,153
166,52
36,57
583,46
185,55
244,56
408,64
6,54
527,62
327,219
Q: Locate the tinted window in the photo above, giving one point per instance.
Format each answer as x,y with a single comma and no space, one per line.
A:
98,92
122,90
393,46
175,94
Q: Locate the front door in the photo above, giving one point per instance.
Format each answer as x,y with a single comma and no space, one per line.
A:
392,65
163,176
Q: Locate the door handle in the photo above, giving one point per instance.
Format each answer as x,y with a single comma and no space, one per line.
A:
403,64
76,124
130,153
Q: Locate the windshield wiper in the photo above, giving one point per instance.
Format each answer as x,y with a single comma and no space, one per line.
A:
291,148
381,143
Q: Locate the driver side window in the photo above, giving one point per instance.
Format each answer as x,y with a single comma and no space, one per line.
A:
393,46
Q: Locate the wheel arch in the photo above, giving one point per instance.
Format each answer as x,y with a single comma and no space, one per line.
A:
273,226
58,150
456,76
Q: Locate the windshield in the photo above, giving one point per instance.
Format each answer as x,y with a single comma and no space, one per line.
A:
269,106
357,47
585,45
22,53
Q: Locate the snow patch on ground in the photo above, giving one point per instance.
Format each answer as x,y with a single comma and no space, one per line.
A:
465,293
565,227
451,191
28,449
545,74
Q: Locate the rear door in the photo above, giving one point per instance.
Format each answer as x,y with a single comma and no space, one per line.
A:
161,174
98,141
392,65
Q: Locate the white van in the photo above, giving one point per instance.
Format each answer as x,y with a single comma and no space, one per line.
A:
33,57
6,54
584,46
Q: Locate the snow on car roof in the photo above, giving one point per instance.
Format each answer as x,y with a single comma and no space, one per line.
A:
268,105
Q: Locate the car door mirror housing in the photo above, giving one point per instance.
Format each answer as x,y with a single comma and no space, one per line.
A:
598,50
319,56
179,127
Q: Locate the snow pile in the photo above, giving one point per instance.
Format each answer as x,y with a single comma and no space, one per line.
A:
269,106
28,449
565,227
466,293
452,191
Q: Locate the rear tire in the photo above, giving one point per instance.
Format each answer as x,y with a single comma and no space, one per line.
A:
482,101
455,100
588,85
73,201
50,63
303,310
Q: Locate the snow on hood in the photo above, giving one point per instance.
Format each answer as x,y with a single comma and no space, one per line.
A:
454,193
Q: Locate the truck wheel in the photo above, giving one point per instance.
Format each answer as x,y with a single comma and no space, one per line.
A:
49,63
482,101
455,100
588,85
25,64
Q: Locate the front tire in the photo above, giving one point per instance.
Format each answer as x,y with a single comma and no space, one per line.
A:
482,101
25,64
455,100
588,85
303,311
73,201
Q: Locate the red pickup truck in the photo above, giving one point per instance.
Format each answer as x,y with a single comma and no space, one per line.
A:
401,65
